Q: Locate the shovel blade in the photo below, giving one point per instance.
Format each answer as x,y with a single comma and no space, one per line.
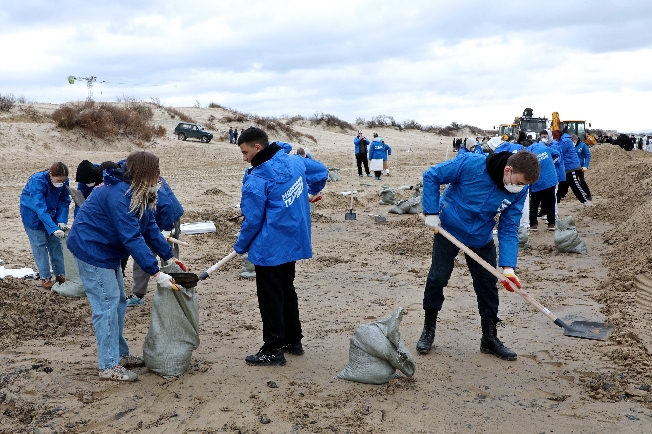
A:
187,280
350,216
598,331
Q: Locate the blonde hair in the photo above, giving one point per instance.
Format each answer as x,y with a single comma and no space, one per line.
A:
142,168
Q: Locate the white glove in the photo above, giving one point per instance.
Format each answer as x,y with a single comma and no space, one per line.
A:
59,233
63,226
432,221
165,281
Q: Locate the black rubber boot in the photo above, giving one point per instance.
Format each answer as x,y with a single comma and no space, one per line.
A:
490,343
428,334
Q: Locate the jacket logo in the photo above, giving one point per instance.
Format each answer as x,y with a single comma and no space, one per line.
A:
503,205
293,192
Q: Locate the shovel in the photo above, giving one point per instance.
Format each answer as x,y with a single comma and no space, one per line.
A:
578,329
351,215
190,280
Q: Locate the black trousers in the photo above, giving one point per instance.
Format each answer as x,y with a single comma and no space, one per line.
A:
361,159
572,181
278,304
547,198
484,283
583,184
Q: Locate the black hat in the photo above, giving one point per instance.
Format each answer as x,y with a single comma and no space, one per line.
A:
86,172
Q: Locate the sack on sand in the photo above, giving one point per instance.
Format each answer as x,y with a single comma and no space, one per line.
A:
376,351
567,240
332,175
248,270
410,206
387,196
174,329
523,237
73,286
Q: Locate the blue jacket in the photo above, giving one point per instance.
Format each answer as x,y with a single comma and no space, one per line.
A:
568,153
508,147
42,205
546,156
378,151
168,208
583,154
389,152
471,201
559,161
285,146
357,141
106,232
276,228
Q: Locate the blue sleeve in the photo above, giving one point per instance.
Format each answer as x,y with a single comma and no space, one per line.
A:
286,147
316,175
38,204
252,205
508,224
587,153
129,230
155,239
389,150
434,178
63,205
168,208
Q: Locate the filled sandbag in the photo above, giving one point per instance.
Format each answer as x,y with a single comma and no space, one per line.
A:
567,240
248,270
387,196
73,286
410,206
376,351
332,175
523,237
174,329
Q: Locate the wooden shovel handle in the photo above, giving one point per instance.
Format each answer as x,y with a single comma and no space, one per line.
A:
174,240
498,274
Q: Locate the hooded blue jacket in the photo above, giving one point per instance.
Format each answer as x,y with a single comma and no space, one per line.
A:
42,205
356,142
583,154
548,175
276,228
378,150
508,147
568,153
471,201
106,232
559,161
168,208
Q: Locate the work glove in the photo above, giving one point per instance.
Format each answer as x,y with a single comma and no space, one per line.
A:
178,262
59,233
312,198
165,281
509,274
63,226
584,169
432,221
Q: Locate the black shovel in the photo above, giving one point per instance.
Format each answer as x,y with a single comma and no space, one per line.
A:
190,280
351,215
578,329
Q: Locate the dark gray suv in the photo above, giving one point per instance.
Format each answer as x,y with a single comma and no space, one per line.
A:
185,130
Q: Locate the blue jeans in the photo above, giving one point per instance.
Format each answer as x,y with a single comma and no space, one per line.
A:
106,293
46,248
484,283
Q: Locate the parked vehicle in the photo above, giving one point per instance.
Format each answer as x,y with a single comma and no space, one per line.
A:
185,130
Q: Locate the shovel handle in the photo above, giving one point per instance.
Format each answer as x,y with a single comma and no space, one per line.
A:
174,240
500,277
227,258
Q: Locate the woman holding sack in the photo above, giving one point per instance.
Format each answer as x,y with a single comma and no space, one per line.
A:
117,221
44,205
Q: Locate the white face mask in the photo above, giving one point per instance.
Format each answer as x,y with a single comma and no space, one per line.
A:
514,188
57,184
155,188
545,139
90,184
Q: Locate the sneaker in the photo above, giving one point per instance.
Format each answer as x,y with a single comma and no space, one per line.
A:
265,357
294,349
118,373
360,176
46,283
587,203
534,227
134,300
551,227
377,178
368,175
60,279
130,361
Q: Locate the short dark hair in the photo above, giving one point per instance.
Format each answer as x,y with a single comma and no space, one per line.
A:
527,163
59,169
253,135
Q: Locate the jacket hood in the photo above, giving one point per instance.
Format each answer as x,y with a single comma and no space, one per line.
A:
269,165
496,167
113,176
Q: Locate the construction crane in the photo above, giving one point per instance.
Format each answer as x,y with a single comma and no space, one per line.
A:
89,83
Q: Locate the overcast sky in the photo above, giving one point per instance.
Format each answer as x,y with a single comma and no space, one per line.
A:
475,62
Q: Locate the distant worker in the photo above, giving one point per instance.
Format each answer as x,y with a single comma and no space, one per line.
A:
44,205
388,152
303,153
572,166
361,147
377,151
584,154
235,136
543,191
231,135
478,189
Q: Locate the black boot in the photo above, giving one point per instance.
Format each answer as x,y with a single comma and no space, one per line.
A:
490,343
428,334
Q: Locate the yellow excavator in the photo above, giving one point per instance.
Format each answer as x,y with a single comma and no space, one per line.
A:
573,127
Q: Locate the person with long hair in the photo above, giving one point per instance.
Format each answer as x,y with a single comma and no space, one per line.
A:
44,205
117,221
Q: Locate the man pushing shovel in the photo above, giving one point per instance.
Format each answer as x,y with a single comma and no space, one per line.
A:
478,189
